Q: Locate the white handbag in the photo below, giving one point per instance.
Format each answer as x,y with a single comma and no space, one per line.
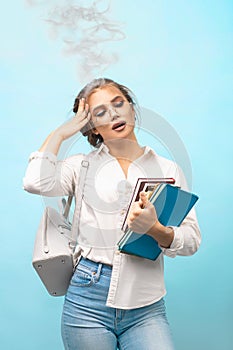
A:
55,242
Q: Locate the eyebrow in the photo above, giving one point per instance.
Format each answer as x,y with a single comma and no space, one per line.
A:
103,105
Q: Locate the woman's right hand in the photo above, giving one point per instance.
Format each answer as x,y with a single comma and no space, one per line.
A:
63,132
81,118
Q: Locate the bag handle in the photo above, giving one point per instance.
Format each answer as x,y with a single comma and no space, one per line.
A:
67,207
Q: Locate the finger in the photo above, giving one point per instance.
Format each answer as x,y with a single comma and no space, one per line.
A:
81,106
88,116
133,215
130,221
79,122
131,218
129,224
86,107
136,208
84,115
137,211
143,198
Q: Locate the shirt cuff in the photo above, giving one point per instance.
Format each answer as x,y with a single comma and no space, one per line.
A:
43,155
177,243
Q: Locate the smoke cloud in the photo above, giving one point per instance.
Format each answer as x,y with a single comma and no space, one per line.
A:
86,30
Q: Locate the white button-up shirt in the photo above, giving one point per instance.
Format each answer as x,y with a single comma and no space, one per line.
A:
135,282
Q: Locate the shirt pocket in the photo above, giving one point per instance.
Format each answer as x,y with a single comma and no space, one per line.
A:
82,277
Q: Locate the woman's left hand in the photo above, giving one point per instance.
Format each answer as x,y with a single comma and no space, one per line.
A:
142,215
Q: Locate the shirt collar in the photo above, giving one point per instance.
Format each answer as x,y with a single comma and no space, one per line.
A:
103,148
149,150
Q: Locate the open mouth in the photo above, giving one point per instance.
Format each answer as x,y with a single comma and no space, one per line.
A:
119,126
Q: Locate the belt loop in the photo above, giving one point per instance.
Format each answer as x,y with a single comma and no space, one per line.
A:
99,271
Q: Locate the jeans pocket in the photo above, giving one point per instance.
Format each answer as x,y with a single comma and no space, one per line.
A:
82,277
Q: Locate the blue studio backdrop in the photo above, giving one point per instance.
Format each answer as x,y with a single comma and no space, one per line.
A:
177,58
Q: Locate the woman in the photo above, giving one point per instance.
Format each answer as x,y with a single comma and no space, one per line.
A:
114,300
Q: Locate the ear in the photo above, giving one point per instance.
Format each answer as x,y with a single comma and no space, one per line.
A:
94,131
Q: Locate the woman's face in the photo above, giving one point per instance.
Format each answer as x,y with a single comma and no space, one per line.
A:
112,115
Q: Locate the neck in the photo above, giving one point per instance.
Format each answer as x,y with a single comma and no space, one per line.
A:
124,148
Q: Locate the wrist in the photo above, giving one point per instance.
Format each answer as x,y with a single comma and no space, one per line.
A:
164,235
57,135
157,228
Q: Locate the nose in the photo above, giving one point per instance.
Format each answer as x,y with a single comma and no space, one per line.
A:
113,113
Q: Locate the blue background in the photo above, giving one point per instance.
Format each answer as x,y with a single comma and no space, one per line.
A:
177,58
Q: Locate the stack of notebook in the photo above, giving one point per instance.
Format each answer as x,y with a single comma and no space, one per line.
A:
172,205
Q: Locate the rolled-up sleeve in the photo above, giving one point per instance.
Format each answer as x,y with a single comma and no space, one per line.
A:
187,237
48,176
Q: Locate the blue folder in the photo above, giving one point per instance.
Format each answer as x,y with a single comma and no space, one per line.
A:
172,205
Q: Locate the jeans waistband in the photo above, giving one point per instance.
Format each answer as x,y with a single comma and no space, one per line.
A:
96,267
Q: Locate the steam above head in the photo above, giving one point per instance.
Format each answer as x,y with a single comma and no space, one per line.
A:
86,30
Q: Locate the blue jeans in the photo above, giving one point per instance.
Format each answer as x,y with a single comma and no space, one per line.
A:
88,324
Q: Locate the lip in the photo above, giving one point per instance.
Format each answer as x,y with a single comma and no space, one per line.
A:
119,125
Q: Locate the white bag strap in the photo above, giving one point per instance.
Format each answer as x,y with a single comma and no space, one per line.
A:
67,206
79,190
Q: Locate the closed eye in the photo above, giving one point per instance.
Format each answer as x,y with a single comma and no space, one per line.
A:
100,113
118,104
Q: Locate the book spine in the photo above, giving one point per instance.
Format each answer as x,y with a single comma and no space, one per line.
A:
125,237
